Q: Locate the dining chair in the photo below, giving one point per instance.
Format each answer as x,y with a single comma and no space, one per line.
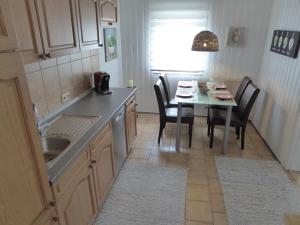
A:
239,117
169,115
238,96
171,101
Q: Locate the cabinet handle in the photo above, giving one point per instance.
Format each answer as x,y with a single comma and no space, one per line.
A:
52,203
100,45
43,56
55,219
48,55
94,161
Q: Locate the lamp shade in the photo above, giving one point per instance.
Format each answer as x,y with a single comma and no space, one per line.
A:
206,41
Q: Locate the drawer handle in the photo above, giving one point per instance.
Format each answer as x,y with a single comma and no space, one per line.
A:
52,203
94,161
90,166
55,219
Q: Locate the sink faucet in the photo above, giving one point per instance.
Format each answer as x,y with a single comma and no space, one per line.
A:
41,126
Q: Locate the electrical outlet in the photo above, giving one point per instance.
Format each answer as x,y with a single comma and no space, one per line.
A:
66,97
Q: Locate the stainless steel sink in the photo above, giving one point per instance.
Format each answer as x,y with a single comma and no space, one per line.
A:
54,146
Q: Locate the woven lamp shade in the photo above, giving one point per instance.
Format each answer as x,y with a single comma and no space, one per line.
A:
206,41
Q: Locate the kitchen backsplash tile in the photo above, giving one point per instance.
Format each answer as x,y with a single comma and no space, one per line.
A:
63,59
48,63
48,80
33,67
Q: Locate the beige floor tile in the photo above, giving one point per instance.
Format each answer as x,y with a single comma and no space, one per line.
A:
198,211
196,223
140,154
196,192
212,173
197,177
197,164
143,144
220,219
217,203
292,219
214,186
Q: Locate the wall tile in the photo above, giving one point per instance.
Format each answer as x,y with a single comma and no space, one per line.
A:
77,73
65,77
87,72
75,56
63,59
95,63
42,108
33,67
36,88
48,63
52,88
86,54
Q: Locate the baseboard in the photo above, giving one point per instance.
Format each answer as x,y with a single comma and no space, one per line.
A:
265,142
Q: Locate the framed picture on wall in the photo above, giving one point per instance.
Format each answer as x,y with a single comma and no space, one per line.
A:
286,43
110,44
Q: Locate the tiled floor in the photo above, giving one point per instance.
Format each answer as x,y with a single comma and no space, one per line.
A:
204,198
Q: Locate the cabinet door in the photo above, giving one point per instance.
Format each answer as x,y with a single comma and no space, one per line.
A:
103,163
75,194
108,11
8,39
25,191
59,26
27,29
89,24
131,131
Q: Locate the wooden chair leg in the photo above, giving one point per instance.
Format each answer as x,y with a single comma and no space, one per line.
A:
161,128
243,137
190,134
212,135
237,132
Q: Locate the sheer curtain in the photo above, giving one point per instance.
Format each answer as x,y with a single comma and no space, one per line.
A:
158,34
173,25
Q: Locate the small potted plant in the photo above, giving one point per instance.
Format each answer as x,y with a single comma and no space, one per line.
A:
111,43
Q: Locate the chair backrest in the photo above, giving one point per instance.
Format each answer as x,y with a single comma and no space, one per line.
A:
166,89
161,98
247,102
241,89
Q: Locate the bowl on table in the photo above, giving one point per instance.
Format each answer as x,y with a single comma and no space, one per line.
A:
202,87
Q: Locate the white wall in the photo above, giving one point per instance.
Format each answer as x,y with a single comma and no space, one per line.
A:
254,15
114,67
277,112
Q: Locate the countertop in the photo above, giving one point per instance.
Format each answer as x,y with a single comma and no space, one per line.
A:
93,104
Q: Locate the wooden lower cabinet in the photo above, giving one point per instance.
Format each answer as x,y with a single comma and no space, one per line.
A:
75,193
102,158
131,130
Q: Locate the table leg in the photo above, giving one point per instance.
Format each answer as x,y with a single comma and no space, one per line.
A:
227,127
179,111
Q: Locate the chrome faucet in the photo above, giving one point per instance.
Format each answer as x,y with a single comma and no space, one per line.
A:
41,126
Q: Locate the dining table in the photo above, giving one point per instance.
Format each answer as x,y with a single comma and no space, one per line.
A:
188,92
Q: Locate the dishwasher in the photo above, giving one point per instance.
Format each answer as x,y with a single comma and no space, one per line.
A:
119,138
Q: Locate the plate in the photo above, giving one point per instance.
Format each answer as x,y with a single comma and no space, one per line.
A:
184,95
224,96
185,84
220,86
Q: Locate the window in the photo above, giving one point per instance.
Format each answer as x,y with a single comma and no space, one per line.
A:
172,31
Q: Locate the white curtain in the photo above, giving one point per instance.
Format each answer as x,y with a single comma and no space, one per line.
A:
135,27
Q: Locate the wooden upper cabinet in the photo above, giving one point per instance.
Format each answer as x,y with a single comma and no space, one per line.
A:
27,29
8,39
58,26
109,11
89,24
25,191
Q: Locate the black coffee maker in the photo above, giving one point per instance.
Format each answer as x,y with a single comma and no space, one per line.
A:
101,80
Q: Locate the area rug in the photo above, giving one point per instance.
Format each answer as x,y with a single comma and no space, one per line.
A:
256,192
146,195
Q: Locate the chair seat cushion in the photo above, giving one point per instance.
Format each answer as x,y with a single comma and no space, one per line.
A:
173,103
187,115
218,117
